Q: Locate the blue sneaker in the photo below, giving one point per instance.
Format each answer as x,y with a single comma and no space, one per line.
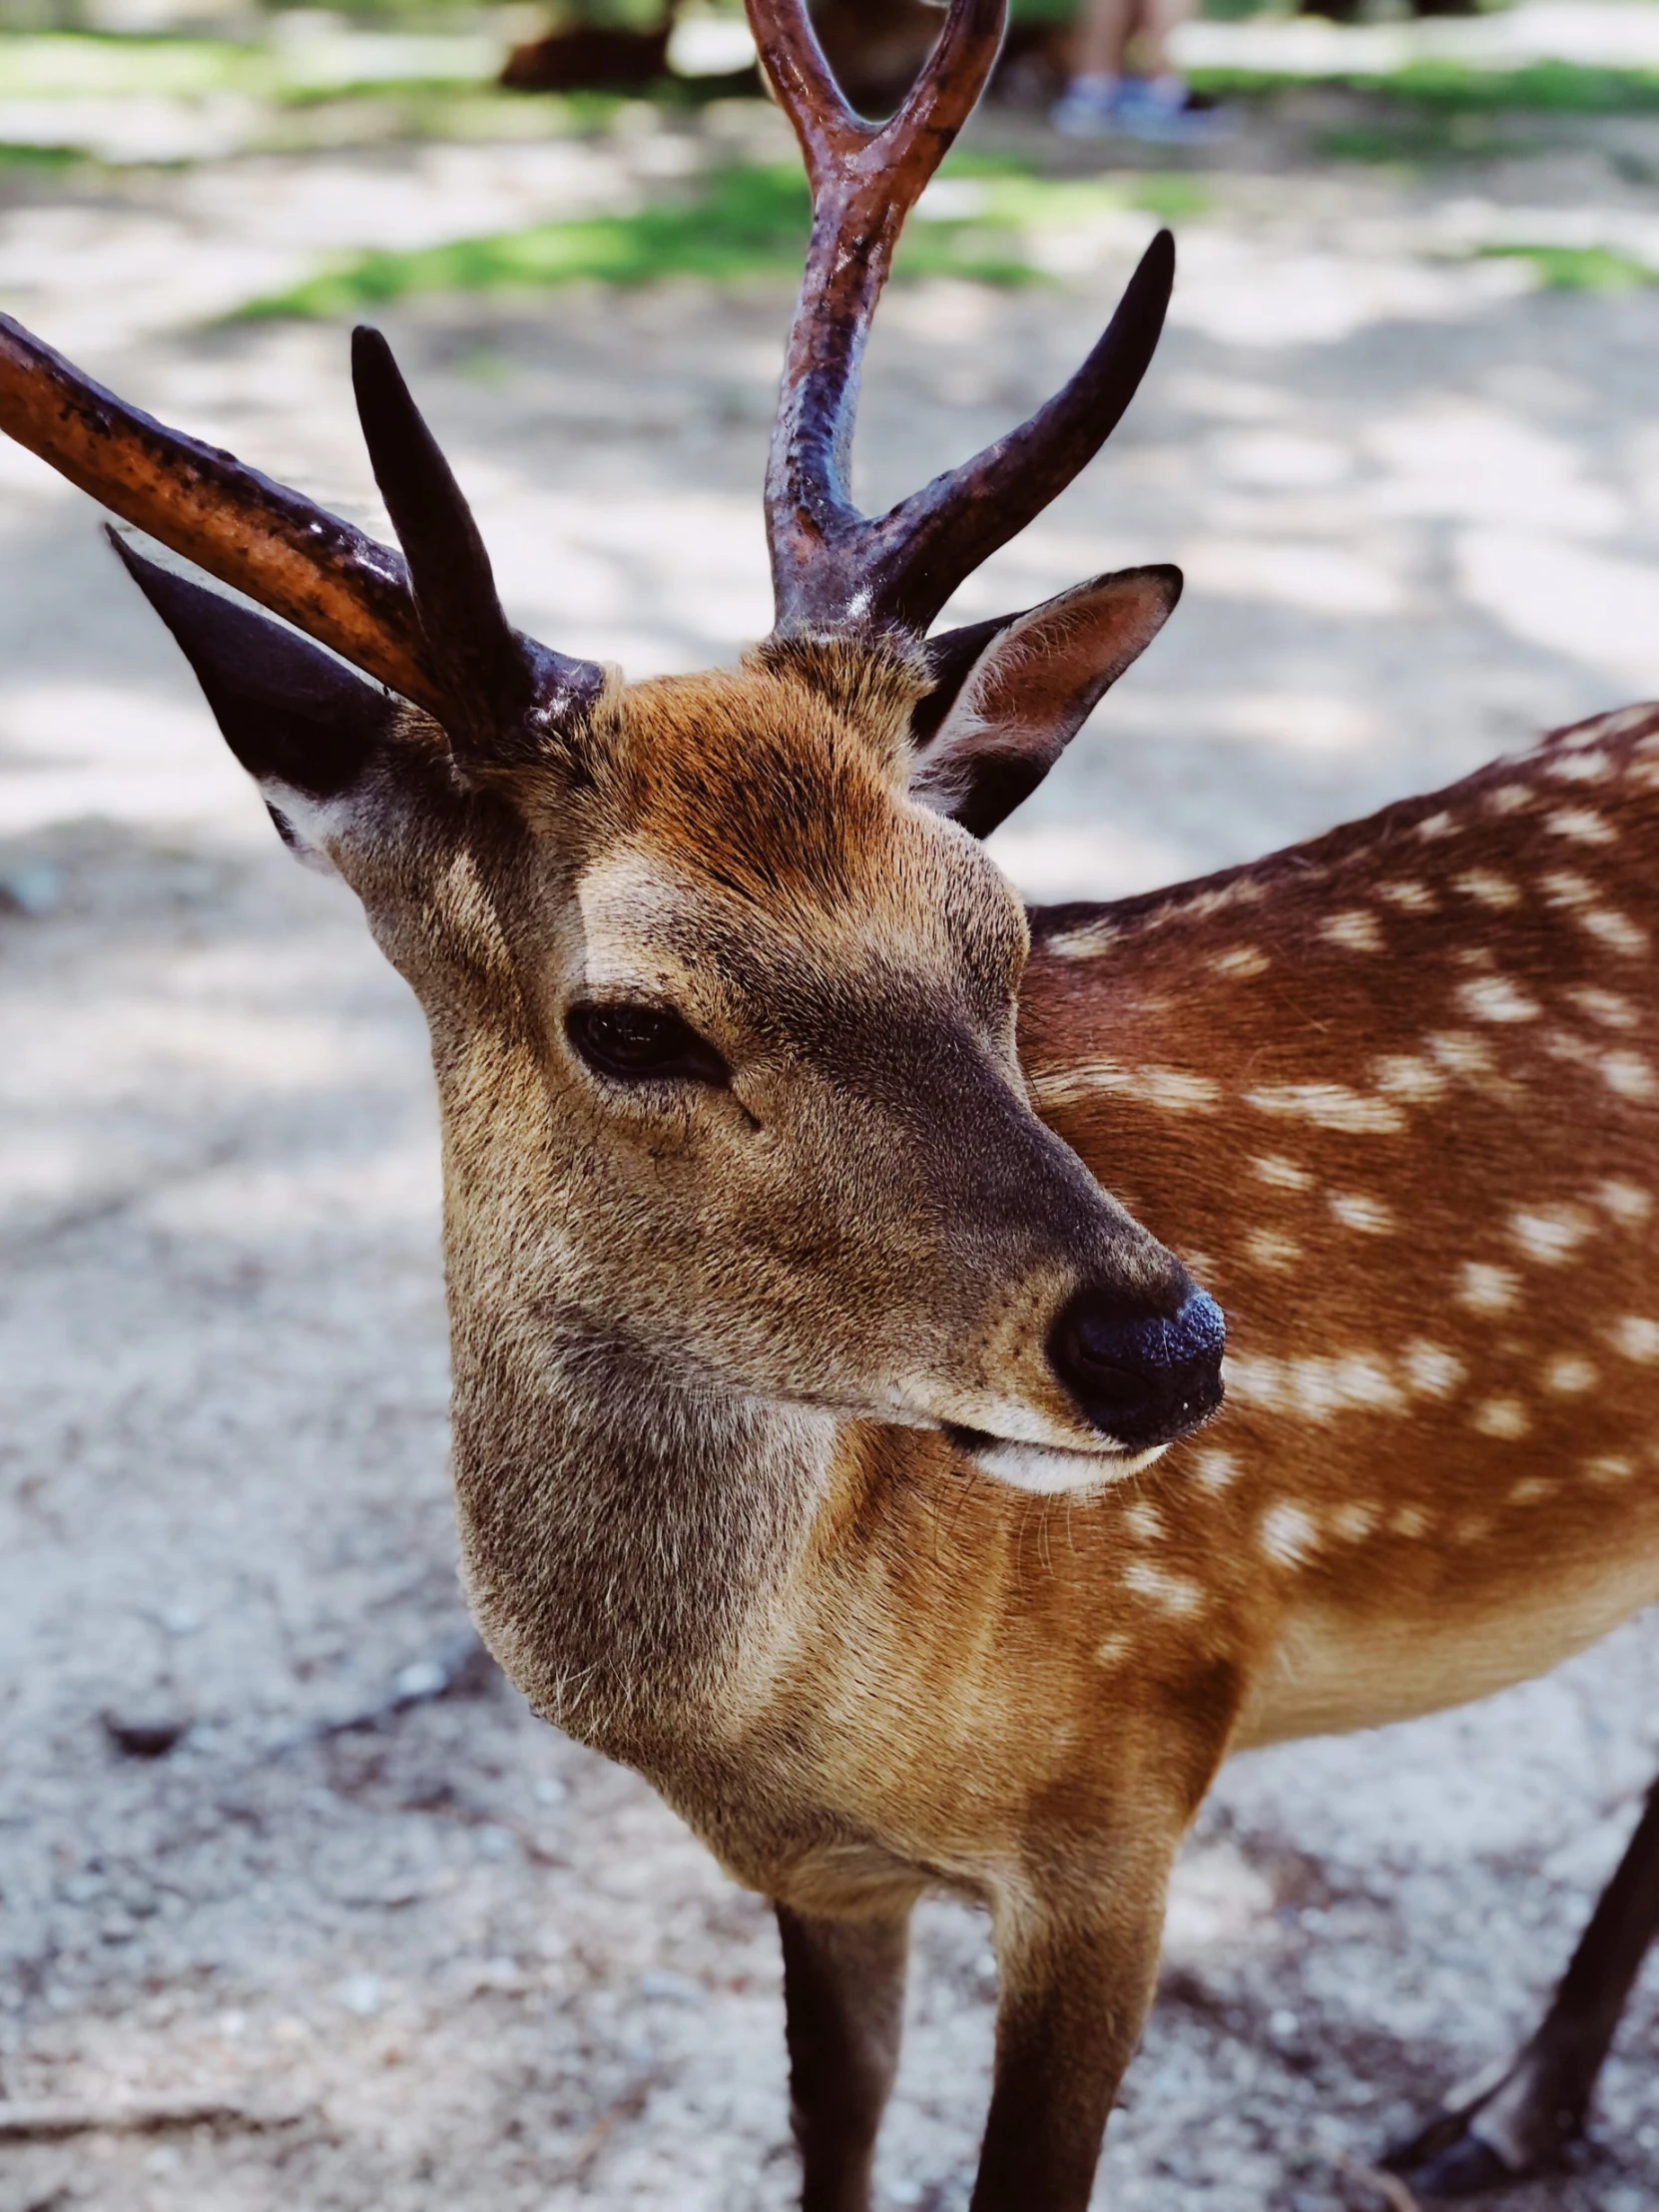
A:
1088,107
1164,111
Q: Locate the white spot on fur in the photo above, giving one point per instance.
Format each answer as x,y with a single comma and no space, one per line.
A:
1504,1418
1172,1593
1264,1249
1552,1234
1568,1375
1404,1075
1410,896
1461,1054
1577,768
1485,1288
1486,888
1614,930
1288,1535
1607,1007
1144,1523
1495,998
1354,1381
1279,1173
1438,825
1356,1211
1532,1489
1578,897
1319,1389
1329,1106
1628,1203
1215,1470
1085,943
1411,1521
1353,1523
1508,798
1610,1468
1243,961
1627,1074
1582,826
1173,1089
1432,1370
1623,722
1356,930
1113,1649
1637,1338
1473,1529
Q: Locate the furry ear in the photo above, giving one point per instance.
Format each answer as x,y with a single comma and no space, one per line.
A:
303,723
1016,692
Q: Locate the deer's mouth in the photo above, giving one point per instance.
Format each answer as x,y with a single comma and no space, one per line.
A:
1047,1469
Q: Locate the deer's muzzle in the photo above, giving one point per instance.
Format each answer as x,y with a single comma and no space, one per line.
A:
1140,1378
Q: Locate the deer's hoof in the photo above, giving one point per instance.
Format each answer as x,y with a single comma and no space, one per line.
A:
1463,2167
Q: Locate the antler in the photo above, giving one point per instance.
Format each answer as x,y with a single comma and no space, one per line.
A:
503,689
330,580
834,568
437,637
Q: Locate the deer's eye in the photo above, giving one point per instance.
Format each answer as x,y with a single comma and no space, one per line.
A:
642,1044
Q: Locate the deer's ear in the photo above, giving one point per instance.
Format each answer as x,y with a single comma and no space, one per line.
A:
1018,692
304,724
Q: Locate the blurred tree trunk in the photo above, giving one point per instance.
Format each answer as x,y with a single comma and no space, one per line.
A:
588,56
875,48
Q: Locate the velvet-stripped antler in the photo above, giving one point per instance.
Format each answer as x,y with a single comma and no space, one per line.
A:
436,636
834,569
336,584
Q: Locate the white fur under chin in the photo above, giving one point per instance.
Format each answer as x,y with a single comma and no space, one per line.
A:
1046,1469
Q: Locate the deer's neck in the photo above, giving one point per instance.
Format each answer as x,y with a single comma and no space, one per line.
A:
628,1540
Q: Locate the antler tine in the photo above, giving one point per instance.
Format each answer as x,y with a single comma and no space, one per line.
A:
834,569
865,178
920,550
808,94
500,687
331,580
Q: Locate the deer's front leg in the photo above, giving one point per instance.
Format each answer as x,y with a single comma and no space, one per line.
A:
1076,1983
843,2007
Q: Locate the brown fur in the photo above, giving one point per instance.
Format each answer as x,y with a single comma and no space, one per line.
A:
702,1347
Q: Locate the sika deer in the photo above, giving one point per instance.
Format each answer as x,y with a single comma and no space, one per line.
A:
800,1356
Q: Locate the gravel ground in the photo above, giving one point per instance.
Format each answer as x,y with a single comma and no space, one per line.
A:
368,1935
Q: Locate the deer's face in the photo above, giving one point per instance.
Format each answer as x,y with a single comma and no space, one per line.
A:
721,996
724,1028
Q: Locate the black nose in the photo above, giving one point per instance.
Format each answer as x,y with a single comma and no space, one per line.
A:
1142,1379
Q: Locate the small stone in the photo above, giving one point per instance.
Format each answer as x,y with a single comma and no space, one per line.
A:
421,1679
145,1735
360,1993
30,887
671,1989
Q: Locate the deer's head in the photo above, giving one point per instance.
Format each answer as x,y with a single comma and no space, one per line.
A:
722,986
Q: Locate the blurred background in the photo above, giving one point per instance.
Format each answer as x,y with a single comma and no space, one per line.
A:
297,1904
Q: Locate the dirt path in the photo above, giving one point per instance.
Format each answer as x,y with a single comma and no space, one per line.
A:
427,1954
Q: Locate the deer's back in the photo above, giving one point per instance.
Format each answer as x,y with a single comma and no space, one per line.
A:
1394,1096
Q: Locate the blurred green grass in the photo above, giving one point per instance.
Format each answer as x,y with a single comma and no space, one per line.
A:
745,222
1452,87
1578,267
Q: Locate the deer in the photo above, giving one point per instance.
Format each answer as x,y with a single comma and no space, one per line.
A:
839,1422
